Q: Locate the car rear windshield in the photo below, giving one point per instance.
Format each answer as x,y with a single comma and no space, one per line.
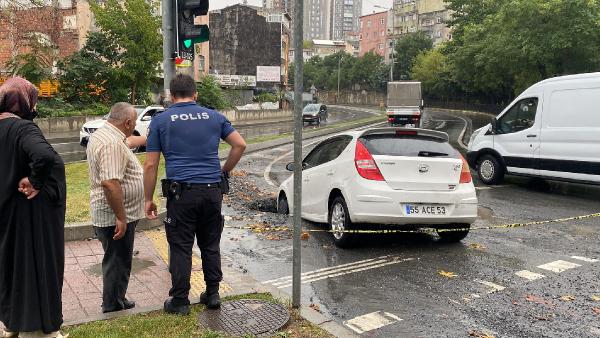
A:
408,145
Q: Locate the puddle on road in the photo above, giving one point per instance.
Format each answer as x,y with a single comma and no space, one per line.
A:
263,205
137,266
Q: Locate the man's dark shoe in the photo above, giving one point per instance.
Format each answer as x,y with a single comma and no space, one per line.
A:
212,301
128,304
176,309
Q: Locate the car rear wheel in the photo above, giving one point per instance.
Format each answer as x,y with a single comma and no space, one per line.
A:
453,233
282,206
339,221
490,170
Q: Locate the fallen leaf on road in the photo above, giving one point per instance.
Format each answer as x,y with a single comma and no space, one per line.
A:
596,310
544,317
315,307
595,298
447,274
479,334
567,298
273,238
538,300
305,236
476,246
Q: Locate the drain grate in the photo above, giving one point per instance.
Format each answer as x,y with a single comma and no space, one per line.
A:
248,316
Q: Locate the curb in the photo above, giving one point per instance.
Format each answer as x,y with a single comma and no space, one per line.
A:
83,230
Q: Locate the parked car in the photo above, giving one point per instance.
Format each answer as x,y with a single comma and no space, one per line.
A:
550,131
144,116
314,113
404,177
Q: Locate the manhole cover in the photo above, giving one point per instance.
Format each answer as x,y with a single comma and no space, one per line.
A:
248,316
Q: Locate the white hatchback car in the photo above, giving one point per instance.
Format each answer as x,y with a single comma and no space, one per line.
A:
392,176
144,116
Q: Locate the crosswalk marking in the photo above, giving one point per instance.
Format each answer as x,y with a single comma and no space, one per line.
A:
371,321
529,275
585,259
558,266
495,287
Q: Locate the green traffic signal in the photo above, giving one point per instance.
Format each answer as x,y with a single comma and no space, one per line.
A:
187,43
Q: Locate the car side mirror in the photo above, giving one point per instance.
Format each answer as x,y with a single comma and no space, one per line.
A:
494,126
290,166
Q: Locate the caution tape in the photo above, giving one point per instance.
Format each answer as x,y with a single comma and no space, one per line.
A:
424,230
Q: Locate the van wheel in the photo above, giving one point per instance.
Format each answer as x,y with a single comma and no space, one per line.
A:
339,221
453,236
490,170
282,206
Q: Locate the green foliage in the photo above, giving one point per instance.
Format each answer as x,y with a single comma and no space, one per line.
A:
433,70
210,94
133,30
266,97
406,50
56,107
91,74
306,44
34,66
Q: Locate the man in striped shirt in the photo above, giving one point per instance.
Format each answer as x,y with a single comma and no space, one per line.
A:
117,201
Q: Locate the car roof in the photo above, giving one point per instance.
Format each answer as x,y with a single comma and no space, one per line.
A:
391,130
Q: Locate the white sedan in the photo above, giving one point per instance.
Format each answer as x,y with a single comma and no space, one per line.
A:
393,176
144,116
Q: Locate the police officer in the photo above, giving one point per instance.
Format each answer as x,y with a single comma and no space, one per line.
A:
188,136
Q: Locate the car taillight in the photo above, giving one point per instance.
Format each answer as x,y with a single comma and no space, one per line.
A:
465,174
390,119
416,119
365,164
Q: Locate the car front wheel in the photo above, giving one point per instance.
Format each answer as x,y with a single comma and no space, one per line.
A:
282,206
453,233
339,221
490,170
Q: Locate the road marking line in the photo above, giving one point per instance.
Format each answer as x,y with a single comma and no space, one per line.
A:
529,275
370,267
495,287
371,321
558,266
327,269
483,188
585,259
329,272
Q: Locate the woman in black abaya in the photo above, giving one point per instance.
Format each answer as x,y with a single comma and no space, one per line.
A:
32,216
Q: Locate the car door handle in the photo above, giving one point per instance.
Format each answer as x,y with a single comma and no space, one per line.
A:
531,135
331,173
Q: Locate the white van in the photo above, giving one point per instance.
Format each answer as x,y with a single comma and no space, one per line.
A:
552,131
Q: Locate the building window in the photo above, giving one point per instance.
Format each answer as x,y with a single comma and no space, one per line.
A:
381,46
381,22
382,33
369,23
439,20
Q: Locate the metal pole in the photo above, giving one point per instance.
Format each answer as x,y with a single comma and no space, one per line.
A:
339,63
393,43
168,63
298,89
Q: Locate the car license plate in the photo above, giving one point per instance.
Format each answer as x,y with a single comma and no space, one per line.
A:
423,209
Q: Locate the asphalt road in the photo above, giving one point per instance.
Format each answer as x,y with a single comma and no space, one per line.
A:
533,281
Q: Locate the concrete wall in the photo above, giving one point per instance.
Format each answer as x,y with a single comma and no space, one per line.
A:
257,115
361,98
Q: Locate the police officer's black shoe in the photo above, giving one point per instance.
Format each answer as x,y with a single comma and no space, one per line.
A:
169,307
212,300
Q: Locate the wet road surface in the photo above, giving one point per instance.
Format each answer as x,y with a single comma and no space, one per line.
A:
534,281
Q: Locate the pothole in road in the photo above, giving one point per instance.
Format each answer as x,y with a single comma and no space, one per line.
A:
263,205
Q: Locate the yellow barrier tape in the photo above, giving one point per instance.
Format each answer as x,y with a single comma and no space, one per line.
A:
426,230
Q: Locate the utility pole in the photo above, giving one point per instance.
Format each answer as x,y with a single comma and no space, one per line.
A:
339,64
297,203
167,30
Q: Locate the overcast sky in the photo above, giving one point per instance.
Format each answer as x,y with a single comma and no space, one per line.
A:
368,7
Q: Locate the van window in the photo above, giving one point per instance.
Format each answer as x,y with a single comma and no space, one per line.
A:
574,108
519,117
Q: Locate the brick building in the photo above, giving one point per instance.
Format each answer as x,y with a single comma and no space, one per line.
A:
63,26
373,33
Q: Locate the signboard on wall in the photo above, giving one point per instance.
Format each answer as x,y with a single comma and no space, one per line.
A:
268,74
236,80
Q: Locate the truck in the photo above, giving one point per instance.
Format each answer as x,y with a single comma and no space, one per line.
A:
404,104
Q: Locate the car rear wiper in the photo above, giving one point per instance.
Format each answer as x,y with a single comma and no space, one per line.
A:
431,154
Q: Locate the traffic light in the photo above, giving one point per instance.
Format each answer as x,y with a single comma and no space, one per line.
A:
189,33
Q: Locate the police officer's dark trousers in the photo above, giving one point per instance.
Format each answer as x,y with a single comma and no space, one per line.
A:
116,265
196,213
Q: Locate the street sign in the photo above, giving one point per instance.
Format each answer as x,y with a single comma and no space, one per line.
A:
268,74
236,80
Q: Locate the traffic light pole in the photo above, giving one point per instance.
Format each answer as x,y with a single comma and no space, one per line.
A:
168,21
297,205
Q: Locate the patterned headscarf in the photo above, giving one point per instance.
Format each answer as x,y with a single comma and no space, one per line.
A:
18,96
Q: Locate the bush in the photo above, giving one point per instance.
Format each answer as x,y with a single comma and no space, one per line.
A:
210,94
266,97
58,108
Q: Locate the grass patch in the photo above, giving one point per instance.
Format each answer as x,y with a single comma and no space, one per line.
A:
78,182
160,324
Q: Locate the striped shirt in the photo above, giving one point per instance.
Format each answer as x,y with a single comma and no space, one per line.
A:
109,158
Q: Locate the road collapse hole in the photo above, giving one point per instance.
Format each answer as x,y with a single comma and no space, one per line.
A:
264,205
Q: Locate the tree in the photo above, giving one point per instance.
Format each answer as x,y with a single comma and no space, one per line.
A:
36,65
91,74
210,94
432,69
406,50
134,30
370,72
